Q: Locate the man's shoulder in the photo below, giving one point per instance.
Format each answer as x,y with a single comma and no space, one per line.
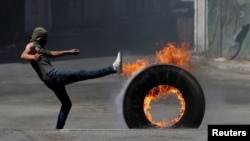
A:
31,45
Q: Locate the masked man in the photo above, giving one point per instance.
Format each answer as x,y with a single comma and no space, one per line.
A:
39,58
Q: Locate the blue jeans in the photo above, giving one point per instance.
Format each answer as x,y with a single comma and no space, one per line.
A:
57,79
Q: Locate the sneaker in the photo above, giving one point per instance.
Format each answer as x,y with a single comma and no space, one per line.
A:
117,65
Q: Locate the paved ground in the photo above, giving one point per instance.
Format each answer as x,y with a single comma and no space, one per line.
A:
29,110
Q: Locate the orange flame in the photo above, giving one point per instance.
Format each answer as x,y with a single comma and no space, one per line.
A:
170,54
155,94
130,68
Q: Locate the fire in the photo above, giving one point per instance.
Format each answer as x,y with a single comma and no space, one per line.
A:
170,54
155,94
180,56
130,68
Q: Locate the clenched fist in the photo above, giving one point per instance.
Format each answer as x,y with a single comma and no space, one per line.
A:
74,51
37,57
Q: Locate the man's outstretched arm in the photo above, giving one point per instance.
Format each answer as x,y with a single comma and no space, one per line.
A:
64,52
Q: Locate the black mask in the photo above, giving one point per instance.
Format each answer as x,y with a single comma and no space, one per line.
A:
42,41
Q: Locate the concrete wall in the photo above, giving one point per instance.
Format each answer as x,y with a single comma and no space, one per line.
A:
200,23
11,19
53,14
37,13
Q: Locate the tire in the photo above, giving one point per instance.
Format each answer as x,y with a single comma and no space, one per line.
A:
163,74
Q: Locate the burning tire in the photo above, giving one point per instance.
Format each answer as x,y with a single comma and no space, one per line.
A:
167,75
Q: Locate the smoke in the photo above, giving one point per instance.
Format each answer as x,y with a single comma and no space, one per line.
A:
119,102
119,105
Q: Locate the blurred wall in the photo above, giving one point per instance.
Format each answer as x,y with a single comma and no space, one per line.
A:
152,19
11,19
37,13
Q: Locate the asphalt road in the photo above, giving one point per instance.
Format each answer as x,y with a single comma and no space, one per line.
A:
29,110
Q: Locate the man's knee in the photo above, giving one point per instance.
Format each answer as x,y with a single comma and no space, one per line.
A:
67,105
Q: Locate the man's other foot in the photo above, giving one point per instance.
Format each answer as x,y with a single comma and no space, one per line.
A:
117,65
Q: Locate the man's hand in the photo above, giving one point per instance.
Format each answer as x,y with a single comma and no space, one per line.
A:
74,51
37,57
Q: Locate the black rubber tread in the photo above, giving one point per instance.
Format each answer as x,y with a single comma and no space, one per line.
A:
163,74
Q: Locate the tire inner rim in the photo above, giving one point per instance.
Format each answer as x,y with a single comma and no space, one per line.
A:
164,106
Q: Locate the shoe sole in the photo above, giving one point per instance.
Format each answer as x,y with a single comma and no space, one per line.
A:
120,69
